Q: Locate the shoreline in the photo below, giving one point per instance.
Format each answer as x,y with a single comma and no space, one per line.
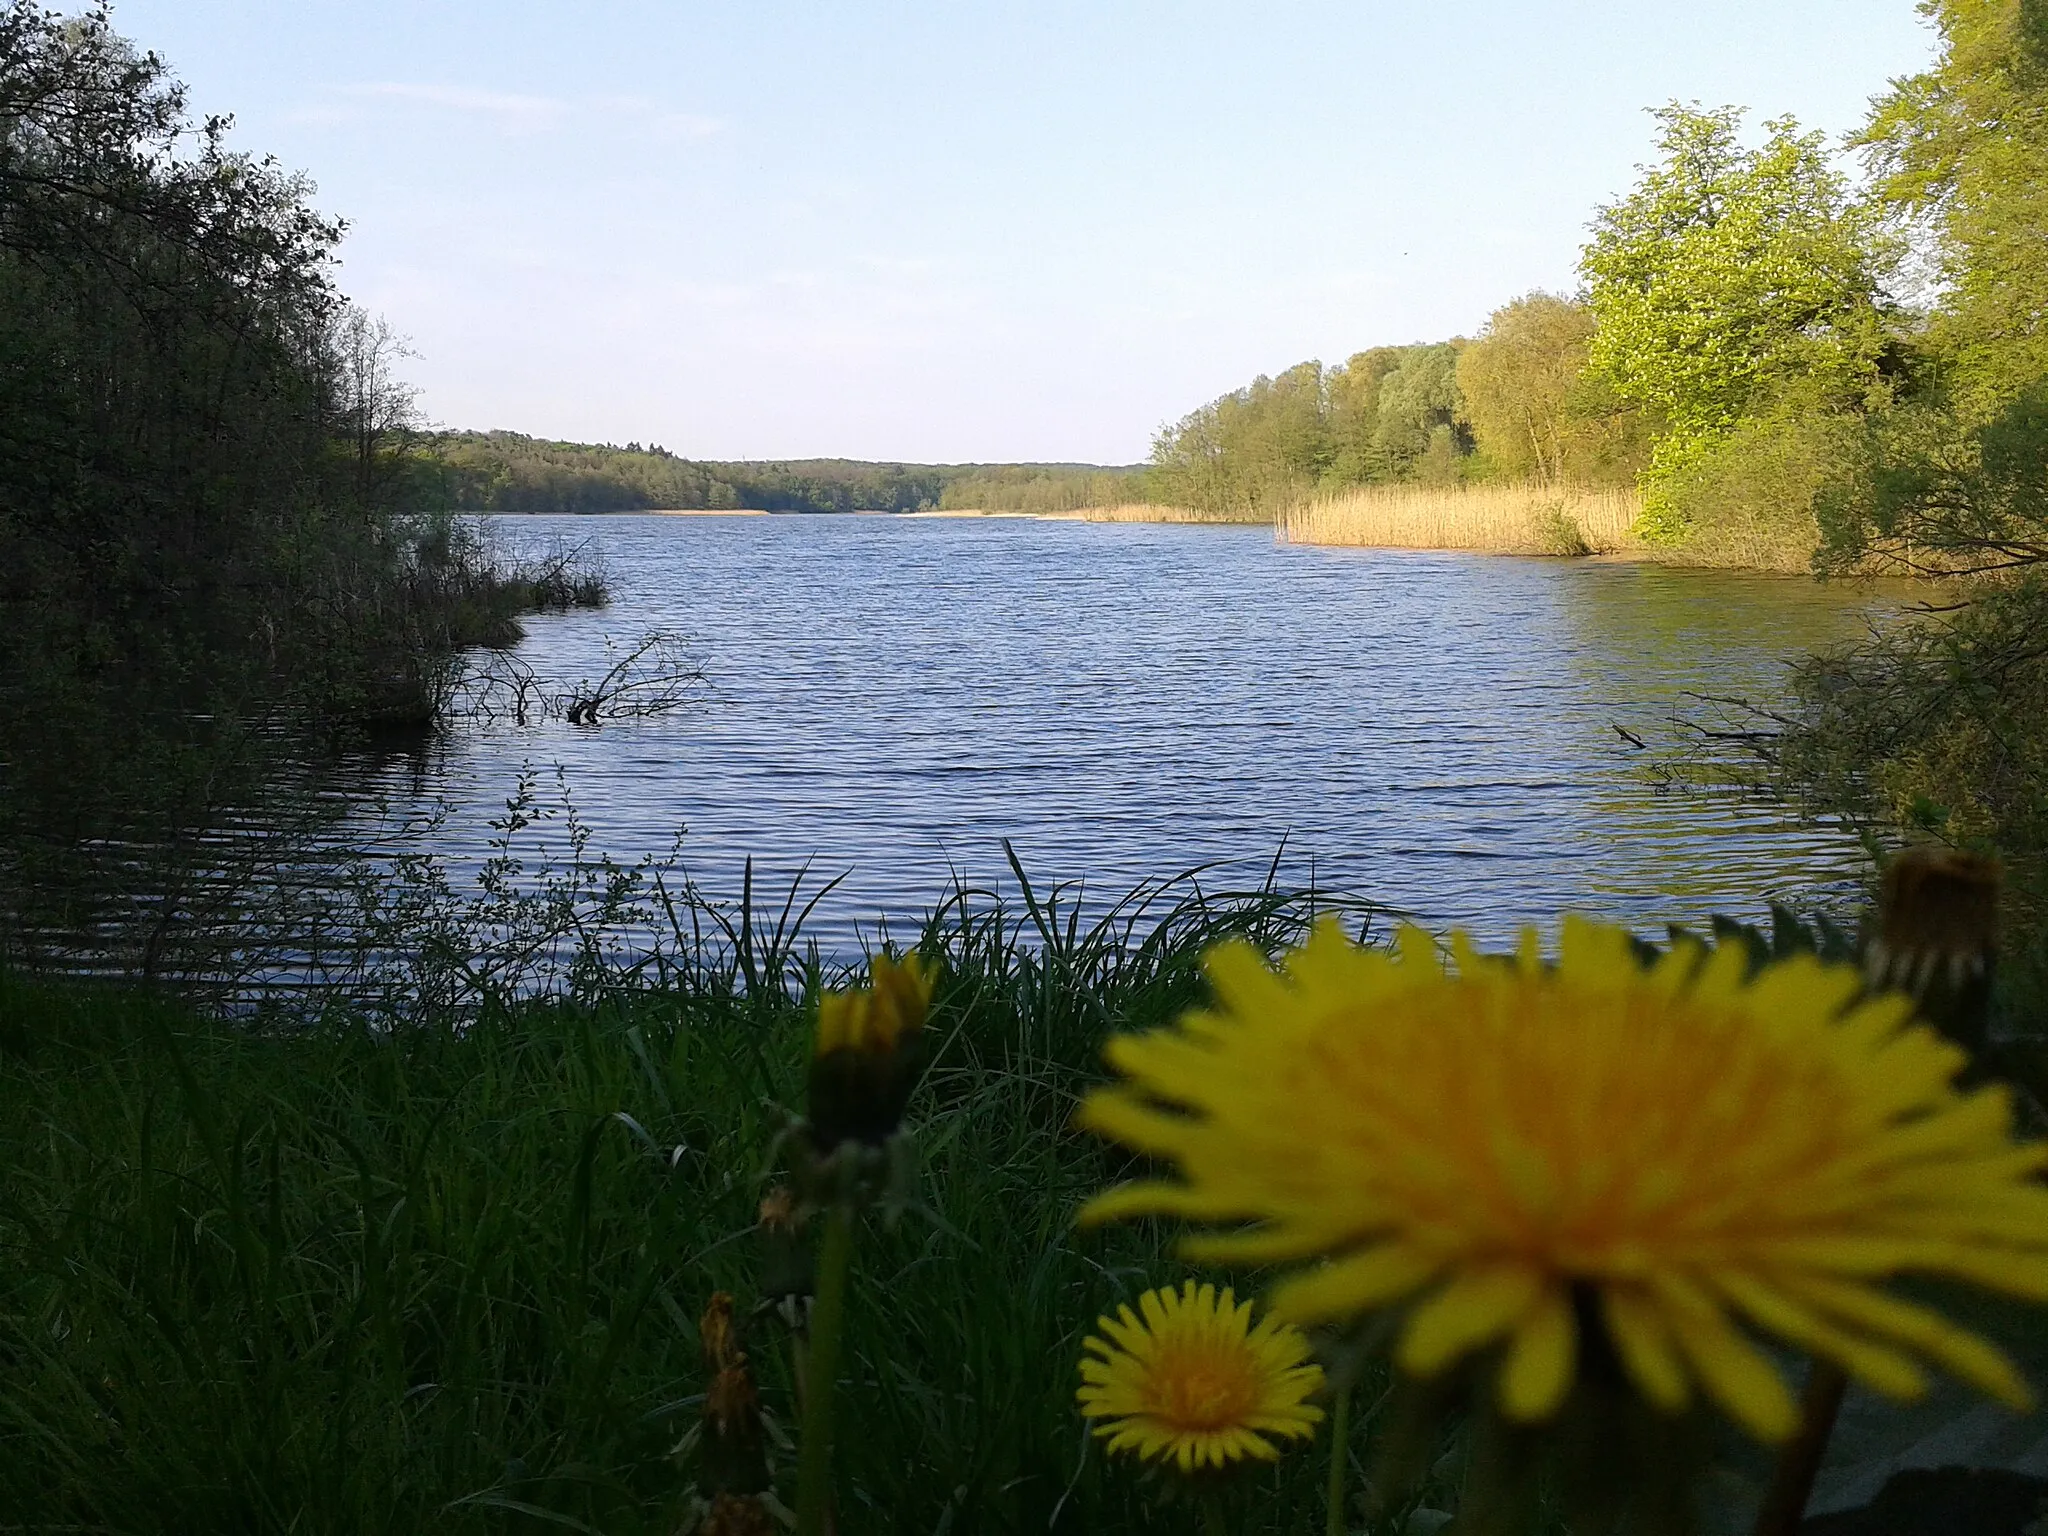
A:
1125,512
1623,550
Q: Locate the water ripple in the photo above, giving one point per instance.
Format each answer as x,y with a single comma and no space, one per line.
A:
892,697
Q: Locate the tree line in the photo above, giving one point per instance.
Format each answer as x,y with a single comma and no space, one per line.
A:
1761,336
213,535
1512,404
510,472
1808,355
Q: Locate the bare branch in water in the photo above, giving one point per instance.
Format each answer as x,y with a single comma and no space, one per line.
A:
656,675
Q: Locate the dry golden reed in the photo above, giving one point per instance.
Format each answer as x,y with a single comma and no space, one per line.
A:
1498,519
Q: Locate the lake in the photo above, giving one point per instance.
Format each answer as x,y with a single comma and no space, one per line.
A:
888,698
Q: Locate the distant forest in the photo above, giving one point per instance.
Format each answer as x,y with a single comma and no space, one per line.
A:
510,472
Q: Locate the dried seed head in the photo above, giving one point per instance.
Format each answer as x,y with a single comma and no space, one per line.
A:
733,1405
1940,899
778,1209
719,1335
786,1279
734,1451
737,1515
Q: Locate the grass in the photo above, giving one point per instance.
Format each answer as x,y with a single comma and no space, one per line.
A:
328,1277
1496,519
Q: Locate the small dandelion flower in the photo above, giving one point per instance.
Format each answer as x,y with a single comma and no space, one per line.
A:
875,1020
1677,1154
864,1060
1191,1382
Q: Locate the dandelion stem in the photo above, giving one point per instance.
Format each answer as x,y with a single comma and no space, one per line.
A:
1784,1505
1340,1456
1212,1515
814,1465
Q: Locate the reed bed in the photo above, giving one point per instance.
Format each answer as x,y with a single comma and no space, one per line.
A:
1496,519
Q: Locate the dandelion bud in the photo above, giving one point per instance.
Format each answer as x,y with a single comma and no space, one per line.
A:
786,1272
1937,936
866,1056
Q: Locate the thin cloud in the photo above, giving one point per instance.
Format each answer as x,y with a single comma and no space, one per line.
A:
461,98
517,113
652,117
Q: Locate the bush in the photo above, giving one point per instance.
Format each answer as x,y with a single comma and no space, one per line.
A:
1750,498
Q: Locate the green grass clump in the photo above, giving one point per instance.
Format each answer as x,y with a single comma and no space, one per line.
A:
329,1277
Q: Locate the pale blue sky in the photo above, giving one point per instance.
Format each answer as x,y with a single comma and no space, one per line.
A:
946,229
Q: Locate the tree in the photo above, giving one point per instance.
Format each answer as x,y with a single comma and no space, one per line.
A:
1250,452
1519,379
1960,155
1358,453
1535,412
378,410
1421,427
1956,478
166,388
1396,412
1729,281
1944,493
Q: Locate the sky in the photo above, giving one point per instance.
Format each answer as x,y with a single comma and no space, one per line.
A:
964,230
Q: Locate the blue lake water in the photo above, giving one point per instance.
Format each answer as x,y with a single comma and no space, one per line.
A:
890,698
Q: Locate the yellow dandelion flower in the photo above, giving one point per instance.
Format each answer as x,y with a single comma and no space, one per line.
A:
1192,1382
1676,1154
876,1019
864,1056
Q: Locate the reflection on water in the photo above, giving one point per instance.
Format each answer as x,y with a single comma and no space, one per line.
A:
893,697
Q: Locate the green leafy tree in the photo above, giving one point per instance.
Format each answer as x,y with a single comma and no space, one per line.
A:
1393,411
1250,452
1421,430
1956,478
1729,281
1519,380
1357,453
1960,154
1535,413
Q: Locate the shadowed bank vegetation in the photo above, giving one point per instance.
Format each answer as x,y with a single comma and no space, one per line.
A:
217,549
205,482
